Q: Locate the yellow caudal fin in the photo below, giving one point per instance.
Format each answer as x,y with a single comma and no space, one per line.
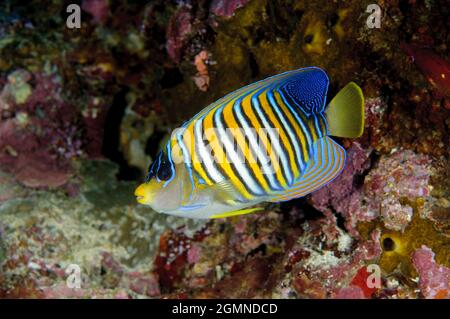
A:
345,113
237,212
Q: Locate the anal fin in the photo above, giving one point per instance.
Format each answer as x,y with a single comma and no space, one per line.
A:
237,212
327,163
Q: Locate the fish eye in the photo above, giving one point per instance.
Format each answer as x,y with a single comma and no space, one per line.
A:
165,169
161,168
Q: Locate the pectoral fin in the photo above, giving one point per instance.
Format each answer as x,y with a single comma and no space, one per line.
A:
224,192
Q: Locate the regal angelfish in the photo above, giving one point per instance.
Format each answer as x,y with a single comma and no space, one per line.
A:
268,141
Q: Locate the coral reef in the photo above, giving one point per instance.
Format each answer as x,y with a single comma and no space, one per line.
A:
178,30
384,195
84,111
434,280
39,134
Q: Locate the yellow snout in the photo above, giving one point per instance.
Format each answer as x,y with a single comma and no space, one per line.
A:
144,193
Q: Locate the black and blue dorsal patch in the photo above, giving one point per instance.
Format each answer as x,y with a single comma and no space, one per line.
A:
307,89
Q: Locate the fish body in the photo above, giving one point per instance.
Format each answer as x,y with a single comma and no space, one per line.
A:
267,141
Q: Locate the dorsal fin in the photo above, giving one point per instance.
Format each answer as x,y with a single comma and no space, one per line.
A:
307,90
304,88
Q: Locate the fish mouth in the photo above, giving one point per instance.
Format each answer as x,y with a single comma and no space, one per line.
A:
141,199
140,193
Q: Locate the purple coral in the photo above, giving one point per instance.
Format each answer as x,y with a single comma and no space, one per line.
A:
434,280
343,194
226,8
375,109
39,130
351,292
179,28
402,174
